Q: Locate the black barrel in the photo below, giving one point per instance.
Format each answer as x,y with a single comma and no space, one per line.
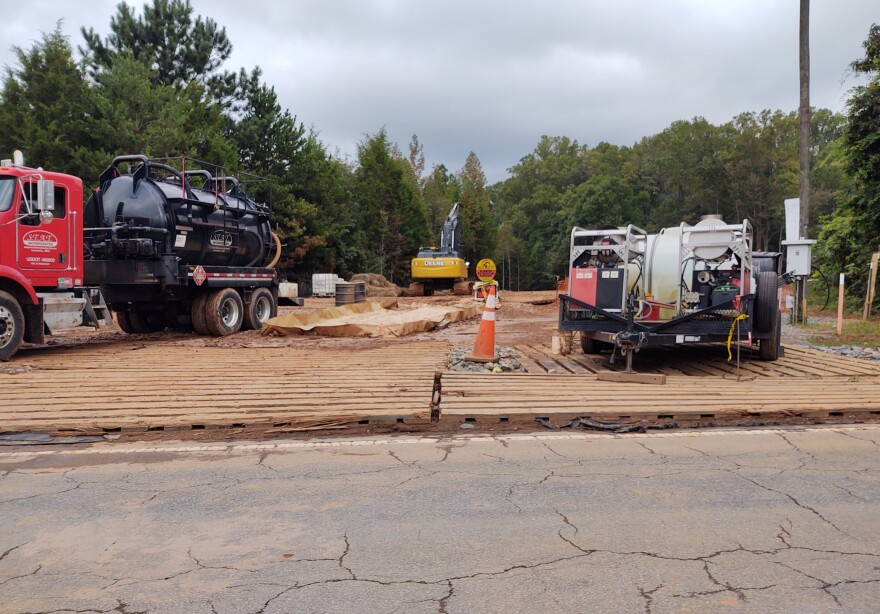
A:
344,293
360,292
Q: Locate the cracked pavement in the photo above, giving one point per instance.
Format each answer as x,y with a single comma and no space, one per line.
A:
772,520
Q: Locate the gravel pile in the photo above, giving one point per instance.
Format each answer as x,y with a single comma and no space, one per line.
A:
852,351
507,361
795,335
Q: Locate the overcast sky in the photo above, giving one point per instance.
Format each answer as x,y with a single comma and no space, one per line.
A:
492,76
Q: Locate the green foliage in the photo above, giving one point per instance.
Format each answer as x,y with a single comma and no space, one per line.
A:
178,49
389,212
134,115
325,183
45,108
742,169
853,231
477,225
439,194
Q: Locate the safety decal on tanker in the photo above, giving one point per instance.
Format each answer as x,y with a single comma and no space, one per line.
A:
40,239
199,275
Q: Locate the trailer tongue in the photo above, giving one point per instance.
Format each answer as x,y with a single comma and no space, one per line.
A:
691,284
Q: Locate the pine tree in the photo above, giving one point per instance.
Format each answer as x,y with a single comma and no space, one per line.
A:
46,109
390,213
478,226
177,48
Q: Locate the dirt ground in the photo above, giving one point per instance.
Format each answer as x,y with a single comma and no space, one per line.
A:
524,317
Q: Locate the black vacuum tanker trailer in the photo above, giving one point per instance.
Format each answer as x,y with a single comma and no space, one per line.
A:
688,284
171,244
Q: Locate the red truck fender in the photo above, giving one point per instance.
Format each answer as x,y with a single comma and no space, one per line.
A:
19,280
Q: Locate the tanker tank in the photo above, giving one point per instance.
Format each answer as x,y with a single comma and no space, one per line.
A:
154,210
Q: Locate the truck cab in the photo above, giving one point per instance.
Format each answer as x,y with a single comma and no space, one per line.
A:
41,256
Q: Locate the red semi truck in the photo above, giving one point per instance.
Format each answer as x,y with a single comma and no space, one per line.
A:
156,244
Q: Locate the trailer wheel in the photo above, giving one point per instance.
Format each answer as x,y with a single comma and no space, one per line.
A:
176,317
146,321
588,345
11,325
224,312
766,301
122,319
197,313
259,308
769,348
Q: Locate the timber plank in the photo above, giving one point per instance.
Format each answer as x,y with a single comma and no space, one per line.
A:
519,397
174,386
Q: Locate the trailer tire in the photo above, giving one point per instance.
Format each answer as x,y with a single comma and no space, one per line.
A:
124,322
197,314
259,308
11,325
592,346
224,312
766,301
769,348
145,322
176,317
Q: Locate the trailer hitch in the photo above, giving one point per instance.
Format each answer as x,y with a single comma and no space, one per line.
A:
629,341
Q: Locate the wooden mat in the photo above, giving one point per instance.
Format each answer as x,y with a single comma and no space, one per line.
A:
162,387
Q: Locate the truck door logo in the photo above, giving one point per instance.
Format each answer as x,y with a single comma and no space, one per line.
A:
40,239
221,238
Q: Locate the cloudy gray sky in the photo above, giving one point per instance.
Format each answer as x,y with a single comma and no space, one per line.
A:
492,76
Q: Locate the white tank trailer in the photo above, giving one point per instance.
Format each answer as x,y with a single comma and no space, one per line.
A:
685,284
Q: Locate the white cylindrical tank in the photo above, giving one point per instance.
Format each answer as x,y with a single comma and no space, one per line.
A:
662,275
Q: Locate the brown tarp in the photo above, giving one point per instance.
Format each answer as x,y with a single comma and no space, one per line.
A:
370,319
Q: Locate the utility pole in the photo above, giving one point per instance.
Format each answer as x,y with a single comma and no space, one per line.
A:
804,140
804,117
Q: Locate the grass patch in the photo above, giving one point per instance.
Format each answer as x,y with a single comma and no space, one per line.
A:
855,332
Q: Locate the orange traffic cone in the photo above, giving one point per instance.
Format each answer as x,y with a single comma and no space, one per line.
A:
484,347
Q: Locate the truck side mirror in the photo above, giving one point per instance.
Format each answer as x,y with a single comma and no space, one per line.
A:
45,200
45,195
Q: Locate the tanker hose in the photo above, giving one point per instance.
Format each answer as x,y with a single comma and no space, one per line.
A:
277,251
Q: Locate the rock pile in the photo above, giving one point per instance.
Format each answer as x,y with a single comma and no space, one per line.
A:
852,351
507,361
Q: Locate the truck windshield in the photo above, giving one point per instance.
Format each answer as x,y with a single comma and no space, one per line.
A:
7,190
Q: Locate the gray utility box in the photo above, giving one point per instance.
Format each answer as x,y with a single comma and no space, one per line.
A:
799,257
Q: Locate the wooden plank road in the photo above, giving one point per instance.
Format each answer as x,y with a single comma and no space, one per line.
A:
701,361
171,387
134,387
701,383
521,397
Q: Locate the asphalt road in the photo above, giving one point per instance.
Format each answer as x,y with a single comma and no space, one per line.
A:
749,521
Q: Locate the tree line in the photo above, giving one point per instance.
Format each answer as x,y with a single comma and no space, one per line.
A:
158,84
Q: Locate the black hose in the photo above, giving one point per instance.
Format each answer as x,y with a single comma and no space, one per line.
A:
827,287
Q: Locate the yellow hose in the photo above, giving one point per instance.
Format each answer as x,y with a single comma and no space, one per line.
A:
277,251
741,316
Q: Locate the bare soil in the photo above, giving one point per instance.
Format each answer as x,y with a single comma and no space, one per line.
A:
524,317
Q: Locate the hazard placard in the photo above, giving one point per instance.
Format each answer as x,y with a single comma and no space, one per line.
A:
199,275
486,270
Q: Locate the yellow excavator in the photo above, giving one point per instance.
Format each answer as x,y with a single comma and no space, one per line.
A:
441,268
